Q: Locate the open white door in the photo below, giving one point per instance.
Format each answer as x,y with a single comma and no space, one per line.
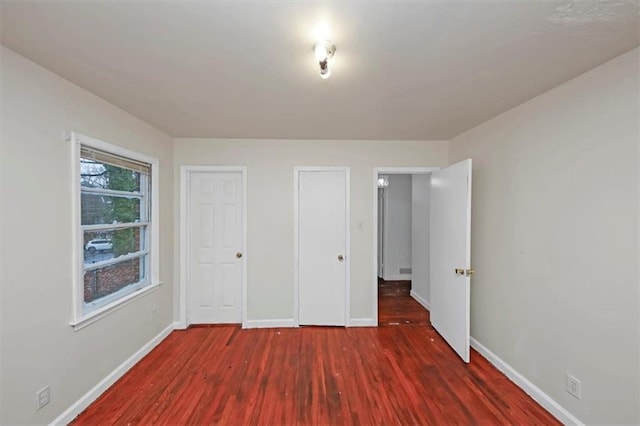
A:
450,225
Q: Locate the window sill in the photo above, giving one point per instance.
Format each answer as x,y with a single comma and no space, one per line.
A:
112,307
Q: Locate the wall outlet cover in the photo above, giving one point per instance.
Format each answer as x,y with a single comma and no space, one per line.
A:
573,386
43,397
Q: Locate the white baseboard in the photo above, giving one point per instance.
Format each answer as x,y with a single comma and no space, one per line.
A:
362,322
523,383
421,300
400,277
270,323
80,405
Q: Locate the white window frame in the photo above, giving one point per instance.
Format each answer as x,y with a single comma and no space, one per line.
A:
80,319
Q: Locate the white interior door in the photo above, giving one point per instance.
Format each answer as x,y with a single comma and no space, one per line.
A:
450,226
215,247
322,245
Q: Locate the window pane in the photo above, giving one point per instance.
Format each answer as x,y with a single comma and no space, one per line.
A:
105,209
94,174
105,245
105,281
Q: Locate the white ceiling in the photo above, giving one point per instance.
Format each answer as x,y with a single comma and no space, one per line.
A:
402,70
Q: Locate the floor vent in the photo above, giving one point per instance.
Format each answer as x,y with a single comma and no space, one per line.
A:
405,270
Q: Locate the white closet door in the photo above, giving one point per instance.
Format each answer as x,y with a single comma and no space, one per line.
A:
215,248
322,237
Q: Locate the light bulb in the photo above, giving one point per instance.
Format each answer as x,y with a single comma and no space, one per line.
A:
324,68
325,73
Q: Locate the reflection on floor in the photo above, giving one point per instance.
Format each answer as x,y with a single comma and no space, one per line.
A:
397,307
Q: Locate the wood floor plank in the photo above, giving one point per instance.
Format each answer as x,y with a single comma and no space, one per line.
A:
402,372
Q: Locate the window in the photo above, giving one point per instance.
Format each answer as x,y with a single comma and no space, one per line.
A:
116,225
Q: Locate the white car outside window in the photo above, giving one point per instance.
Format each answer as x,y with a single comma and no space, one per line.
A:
98,245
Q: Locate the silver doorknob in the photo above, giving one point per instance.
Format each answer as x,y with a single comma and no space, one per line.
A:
340,257
239,255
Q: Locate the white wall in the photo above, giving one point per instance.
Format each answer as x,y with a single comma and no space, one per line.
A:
420,193
555,239
39,347
270,166
397,228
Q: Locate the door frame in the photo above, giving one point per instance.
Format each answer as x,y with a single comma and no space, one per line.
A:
386,171
185,178
296,218
381,228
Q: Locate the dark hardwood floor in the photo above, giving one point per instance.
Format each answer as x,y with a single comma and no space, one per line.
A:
399,373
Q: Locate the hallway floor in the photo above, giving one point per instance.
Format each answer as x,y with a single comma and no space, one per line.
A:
397,307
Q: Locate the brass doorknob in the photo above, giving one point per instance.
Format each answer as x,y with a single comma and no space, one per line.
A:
239,255
340,257
469,272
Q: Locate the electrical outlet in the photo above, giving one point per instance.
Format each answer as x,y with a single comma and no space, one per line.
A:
573,386
43,397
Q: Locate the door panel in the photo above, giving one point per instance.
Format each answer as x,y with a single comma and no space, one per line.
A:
322,228
215,236
450,240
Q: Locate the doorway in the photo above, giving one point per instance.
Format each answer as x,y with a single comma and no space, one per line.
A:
402,231
321,241
213,241
449,250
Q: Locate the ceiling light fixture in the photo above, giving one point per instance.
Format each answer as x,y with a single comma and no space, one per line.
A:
383,181
324,51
